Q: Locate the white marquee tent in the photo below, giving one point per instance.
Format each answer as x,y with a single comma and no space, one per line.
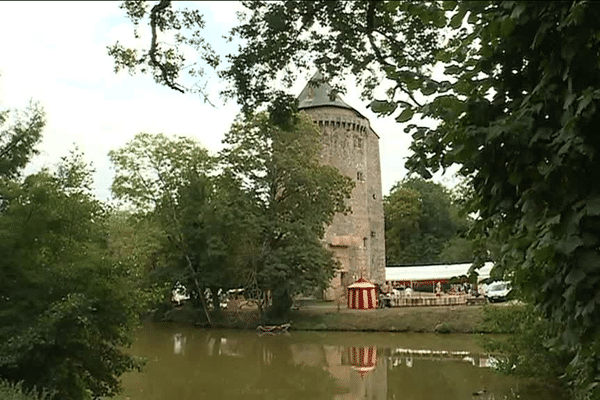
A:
434,272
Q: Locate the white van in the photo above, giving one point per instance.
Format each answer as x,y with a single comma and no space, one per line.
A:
497,291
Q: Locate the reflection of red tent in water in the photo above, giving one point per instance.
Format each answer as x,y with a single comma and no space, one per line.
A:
361,295
362,359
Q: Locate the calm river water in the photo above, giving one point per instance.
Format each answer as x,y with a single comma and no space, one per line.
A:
188,363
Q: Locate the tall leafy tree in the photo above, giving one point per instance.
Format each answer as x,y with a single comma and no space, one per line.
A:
402,211
420,221
218,224
202,215
67,308
152,171
295,198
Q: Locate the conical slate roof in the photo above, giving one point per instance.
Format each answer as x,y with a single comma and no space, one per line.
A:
318,95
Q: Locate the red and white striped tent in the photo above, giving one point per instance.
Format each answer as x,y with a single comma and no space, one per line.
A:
362,295
363,359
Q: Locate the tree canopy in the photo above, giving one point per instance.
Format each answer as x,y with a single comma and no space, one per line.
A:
67,306
254,216
419,222
20,132
167,181
295,198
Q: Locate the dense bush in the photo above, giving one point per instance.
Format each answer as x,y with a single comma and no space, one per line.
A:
528,348
9,391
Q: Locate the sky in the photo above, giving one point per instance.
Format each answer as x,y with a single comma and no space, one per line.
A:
55,53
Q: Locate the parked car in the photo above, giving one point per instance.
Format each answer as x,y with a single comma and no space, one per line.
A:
497,291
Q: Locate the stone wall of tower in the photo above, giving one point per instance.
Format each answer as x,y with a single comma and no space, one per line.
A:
357,239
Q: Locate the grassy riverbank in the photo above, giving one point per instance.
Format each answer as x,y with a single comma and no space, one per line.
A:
459,319
326,317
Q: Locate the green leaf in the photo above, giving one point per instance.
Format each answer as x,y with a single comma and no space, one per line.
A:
405,115
584,101
569,244
574,277
473,17
383,107
444,56
507,27
453,69
553,220
449,5
517,11
569,100
429,87
456,20
592,206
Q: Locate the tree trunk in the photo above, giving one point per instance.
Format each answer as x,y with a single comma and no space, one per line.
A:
214,291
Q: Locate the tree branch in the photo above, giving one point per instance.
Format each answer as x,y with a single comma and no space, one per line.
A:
409,94
154,13
370,29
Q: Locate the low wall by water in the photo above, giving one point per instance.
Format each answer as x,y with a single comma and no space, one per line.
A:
444,300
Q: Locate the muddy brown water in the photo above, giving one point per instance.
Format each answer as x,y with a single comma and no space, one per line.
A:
189,363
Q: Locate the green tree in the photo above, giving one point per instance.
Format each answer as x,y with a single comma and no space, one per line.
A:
67,308
202,216
295,197
151,172
402,211
218,224
138,243
18,138
419,222
10,391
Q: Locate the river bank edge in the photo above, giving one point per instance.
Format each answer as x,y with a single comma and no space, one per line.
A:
327,317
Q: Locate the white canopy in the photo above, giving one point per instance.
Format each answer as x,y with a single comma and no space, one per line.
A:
433,272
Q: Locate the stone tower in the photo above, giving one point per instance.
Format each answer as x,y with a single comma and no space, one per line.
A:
349,143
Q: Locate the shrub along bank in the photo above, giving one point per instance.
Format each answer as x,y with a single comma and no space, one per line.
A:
9,391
